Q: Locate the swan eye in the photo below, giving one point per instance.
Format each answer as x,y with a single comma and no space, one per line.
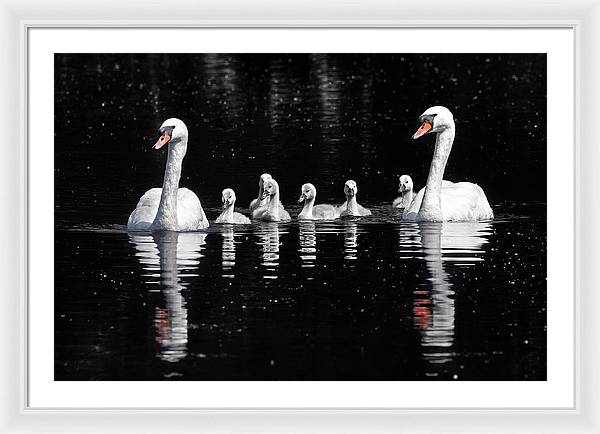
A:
168,130
427,118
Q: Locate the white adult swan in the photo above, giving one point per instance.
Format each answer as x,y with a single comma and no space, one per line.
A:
312,211
169,208
273,211
445,201
405,188
229,215
258,202
351,207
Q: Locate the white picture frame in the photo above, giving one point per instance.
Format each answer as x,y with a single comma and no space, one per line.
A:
16,417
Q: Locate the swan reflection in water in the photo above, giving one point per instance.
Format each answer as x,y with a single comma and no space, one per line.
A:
308,243
268,239
168,258
434,312
350,240
228,251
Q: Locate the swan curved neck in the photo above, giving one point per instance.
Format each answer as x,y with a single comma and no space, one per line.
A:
431,207
308,207
228,212
273,206
352,205
166,216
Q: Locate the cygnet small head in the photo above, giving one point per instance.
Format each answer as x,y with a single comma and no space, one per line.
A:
405,184
434,120
228,198
171,131
263,178
350,188
308,192
270,188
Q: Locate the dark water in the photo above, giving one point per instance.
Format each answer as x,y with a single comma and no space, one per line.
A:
362,299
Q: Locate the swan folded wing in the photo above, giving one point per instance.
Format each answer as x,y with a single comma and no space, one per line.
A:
190,215
150,198
465,201
240,219
222,219
143,215
284,216
324,211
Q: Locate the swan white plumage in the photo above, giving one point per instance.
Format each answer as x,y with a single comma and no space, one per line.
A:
229,215
169,208
351,207
258,202
273,211
312,211
443,200
405,188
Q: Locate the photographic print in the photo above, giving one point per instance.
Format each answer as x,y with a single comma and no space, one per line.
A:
304,216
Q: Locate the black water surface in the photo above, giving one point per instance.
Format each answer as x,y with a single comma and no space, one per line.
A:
359,299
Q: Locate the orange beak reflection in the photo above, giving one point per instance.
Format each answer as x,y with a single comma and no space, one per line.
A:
162,141
422,130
